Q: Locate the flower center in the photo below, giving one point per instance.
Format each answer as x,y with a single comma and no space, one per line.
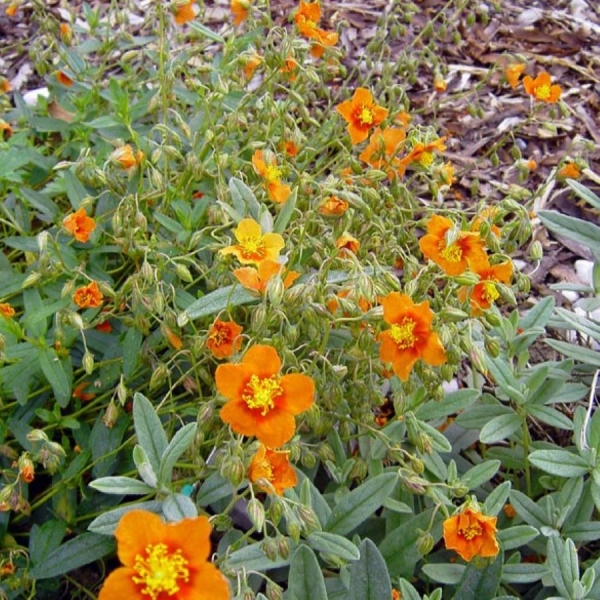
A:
253,247
219,335
426,158
160,571
273,174
543,92
364,115
261,393
470,531
451,253
403,333
490,292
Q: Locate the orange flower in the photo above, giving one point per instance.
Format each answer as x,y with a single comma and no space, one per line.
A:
422,154
471,534
403,119
277,191
88,296
487,215
333,207
569,171
6,130
362,114
410,337
257,279
541,88
63,78
26,469
509,511
80,393
79,225
323,39
252,62
273,467
174,340
11,9
5,86
164,561
253,246
224,338
513,73
306,18
125,157
347,243
185,13
240,10
382,149
290,148
261,401
485,293
439,84
290,68
104,327
7,310
66,33
466,251
396,595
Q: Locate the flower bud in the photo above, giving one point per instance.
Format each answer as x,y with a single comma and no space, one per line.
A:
256,513
32,279
283,546
274,591
159,376
88,362
269,548
425,542
309,519
294,529
452,315
183,273
477,356
111,415
275,290
467,278
492,347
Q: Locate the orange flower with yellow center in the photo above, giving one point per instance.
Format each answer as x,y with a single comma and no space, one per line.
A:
88,296
513,74
485,293
66,34
185,13
541,88
423,154
277,191
382,149
466,251
256,279
471,534
271,471
261,402
224,338
240,10
333,207
252,63
409,337
7,310
79,225
347,243
253,245
124,156
162,561
362,114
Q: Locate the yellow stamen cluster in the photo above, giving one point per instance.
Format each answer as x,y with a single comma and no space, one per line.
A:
253,247
365,115
543,92
426,159
490,292
273,174
452,253
403,333
160,571
471,531
261,393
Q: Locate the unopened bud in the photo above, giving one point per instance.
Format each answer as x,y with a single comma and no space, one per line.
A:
275,290
309,519
111,415
273,591
477,356
452,315
492,347
425,543
283,546
183,273
269,548
256,513
32,279
536,251
88,362
159,376
467,278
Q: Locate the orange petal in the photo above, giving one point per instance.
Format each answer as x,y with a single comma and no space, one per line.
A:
299,392
135,531
231,379
262,360
278,429
119,585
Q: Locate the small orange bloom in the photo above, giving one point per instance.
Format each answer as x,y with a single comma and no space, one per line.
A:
290,148
396,595
333,207
486,215
541,88
422,154
362,114
88,296
7,310
80,392
104,327
513,74
306,18
277,191
569,171
5,86
290,68
466,251
403,119
6,130
185,13
174,340
26,469
66,33
252,63
256,279
323,39
224,338
124,156
439,84
410,337
79,225
347,243
240,10
63,78
164,561
509,511
383,148
254,246
471,534
262,402
271,470
11,9
485,293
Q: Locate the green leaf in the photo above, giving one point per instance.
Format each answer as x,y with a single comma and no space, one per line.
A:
131,351
149,430
579,323
180,442
75,190
107,522
55,373
584,355
33,305
452,403
177,507
45,539
206,32
306,580
361,503
243,199
559,462
331,543
252,558
539,315
122,486
550,416
584,193
583,232
286,212
214,488
523,573
519,535
528,510
563,564
369,577
143,466
228,296
583,533
500,428
445,573
477,583
480,474
40,202
82,550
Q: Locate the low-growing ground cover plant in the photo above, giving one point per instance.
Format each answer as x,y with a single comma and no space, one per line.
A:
251,347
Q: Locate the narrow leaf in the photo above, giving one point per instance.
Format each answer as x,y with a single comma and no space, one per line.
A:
477,583
180,442
369,577
559,462
306,580
149,430
584,232
126,486
331,543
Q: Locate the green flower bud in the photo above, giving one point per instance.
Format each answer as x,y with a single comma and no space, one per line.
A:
88,362
425,543
256,513
270,548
